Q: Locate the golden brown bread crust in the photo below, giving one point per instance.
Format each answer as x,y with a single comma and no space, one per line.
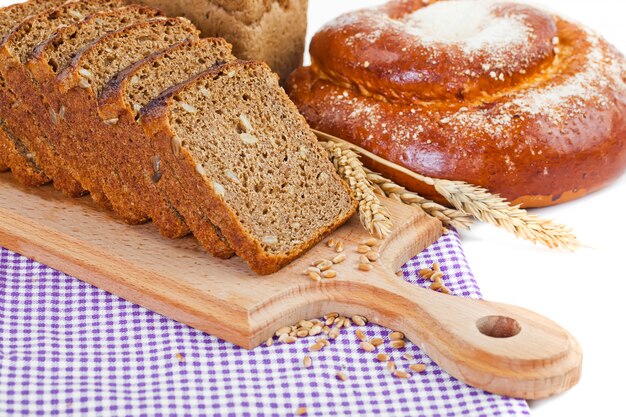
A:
545,125
156,124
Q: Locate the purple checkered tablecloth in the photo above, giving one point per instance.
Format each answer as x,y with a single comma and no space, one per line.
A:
67,348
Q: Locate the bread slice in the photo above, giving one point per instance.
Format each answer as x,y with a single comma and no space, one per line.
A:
272,31
76,92
247,158
14,50
119,105
11,148
46,61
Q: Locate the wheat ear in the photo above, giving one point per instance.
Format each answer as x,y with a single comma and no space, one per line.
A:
493,209
373,215
449,217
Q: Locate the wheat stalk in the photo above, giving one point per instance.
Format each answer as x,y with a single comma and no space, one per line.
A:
495,210
449,217
373,215
468,200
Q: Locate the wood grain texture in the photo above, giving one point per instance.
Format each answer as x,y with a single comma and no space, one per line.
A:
224,298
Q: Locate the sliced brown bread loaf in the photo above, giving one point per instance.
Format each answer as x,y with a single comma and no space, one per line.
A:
247,158
46,60
14,50
10,150
119,106
272,31
76,92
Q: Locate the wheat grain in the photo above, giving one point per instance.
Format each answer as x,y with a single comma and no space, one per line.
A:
307,362
396,336
373,215
368,347
418,367
359,320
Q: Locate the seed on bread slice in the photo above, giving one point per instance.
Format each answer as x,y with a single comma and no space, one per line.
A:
119,106
241,149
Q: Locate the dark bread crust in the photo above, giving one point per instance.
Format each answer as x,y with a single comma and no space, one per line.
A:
136,163
178,162
533,157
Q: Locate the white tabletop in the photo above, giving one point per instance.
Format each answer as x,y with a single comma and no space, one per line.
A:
581,291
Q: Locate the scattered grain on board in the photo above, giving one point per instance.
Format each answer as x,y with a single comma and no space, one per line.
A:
339,258
366,267
329,274
363,249
370,242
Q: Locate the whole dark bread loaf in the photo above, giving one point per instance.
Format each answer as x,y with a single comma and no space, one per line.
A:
272,31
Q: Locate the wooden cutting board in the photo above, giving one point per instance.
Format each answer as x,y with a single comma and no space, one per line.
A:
499,348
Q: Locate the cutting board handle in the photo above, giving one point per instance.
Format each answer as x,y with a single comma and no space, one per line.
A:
500,348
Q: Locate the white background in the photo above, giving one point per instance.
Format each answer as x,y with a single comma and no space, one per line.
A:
583,291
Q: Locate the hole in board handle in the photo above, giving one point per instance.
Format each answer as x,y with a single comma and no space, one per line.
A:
498,326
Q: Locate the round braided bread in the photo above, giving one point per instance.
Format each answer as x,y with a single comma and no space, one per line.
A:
502,95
